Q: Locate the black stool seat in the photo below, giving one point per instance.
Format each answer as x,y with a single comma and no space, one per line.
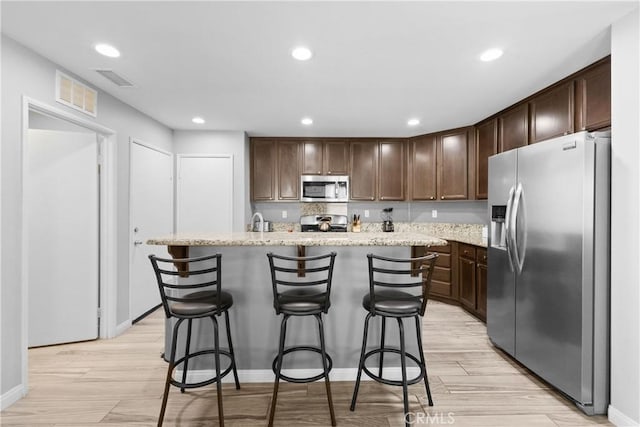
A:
194,293
393,284
301,287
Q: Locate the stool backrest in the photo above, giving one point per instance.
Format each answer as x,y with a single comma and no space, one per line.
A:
411,275
196,274
315,272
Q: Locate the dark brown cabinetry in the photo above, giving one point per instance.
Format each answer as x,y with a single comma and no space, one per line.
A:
593,97
552,113
472,279
364,168
486,146
288,165
263,169
443,283
452,165
391,170
423,172
513,128
328,157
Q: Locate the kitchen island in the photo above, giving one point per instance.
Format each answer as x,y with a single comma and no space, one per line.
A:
254,324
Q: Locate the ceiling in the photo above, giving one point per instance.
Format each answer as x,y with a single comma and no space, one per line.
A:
375,65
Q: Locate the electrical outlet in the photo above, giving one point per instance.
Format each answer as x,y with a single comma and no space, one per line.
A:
284,214
366,213
434,213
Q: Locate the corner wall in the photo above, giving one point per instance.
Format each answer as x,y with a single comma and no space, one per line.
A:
624,409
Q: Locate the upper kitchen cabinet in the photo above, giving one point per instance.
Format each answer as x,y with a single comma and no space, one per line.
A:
513,128
364,168
391,170
263,169
486,146
288,170
453,154
593,97
552,113
422,167
325,157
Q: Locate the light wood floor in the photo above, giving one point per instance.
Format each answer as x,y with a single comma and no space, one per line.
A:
119,382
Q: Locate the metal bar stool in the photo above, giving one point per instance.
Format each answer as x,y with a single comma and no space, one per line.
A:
194,293
393,293
301,287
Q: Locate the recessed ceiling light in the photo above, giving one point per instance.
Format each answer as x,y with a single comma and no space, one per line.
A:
107,50
491,54
307,121
413,122
301,53
198,120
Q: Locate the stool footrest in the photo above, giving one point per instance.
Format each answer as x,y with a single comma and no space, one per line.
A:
302,380
223,373
379,379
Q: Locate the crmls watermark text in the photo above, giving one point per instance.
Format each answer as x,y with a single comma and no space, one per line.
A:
434,418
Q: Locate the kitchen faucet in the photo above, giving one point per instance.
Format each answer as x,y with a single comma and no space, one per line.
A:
259,215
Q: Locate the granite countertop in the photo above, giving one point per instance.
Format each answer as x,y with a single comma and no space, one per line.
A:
279,238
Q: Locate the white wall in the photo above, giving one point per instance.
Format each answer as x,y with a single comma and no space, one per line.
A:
26,73
221,142
625,238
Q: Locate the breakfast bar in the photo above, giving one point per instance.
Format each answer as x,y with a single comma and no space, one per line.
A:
246,274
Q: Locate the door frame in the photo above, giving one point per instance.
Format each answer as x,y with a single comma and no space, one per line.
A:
107,228
179,157
173,192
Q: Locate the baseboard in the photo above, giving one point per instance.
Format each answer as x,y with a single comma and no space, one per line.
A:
266,375
619,419
12,396
122,327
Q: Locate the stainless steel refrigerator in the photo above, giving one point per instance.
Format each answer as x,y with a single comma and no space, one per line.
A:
548,255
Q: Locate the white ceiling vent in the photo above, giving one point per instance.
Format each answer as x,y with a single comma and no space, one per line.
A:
115,78
74,94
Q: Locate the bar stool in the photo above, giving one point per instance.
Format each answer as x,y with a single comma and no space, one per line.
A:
194,292
393,294
301,287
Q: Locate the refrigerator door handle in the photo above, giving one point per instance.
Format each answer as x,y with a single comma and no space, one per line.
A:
519,247
507,226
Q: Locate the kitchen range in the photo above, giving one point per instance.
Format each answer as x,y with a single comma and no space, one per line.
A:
324,223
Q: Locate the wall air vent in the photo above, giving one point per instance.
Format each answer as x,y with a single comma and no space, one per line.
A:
115,78
76,95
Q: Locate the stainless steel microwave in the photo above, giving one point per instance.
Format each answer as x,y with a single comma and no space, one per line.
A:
324,188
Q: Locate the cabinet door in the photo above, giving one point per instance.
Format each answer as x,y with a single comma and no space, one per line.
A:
364,169
486,146
467,280
288,170
481,283
593,98
513,128
391,170
312,158
336,158
452,166
552,113
422,170
263,169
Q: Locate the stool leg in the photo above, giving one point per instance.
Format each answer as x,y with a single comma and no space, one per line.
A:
381,359
326,369
233,355
274,399
403,363
186,355
216,343
361,363
167,383
424,364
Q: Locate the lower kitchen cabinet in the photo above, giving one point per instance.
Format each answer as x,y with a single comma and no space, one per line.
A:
443,285
472,279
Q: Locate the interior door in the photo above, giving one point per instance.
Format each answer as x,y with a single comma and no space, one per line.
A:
205,193
151,204
62,201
